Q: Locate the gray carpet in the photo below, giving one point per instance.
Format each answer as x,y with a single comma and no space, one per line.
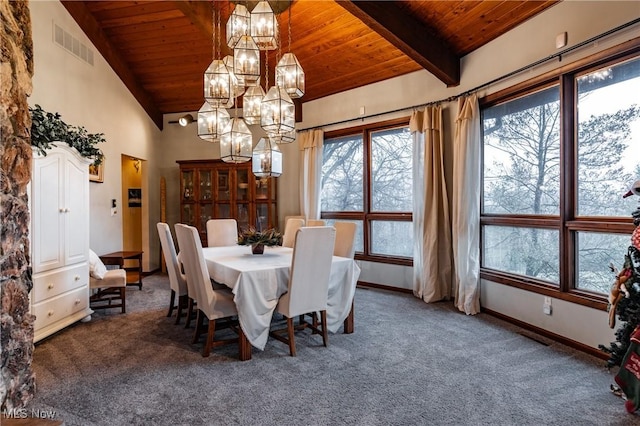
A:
407,363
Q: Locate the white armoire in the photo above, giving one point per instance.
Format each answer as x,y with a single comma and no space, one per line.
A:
59,239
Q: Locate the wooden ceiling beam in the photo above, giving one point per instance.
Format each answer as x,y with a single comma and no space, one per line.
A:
92,29
409,35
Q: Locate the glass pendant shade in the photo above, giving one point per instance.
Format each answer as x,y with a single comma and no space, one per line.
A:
237,86
211,122
277,112
217,83
290,75
267,159
281,138
239,24
236,141
251,102
246,61
264,26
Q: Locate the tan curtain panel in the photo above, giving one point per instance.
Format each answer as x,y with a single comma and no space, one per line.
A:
432,239
311,143
466,206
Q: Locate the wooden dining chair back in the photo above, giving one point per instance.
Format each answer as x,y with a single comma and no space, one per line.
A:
316,222
222,232
213,304
345,239
290,228
177,280
309,281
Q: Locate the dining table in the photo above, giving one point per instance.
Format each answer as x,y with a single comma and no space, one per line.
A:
258,280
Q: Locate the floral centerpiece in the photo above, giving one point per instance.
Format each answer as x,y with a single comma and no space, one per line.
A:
258,239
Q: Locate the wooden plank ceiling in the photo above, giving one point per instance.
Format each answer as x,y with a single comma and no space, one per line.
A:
160,49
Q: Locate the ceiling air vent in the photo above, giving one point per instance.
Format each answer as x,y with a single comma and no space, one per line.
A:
72,45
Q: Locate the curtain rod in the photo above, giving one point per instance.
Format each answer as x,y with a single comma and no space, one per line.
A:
489,83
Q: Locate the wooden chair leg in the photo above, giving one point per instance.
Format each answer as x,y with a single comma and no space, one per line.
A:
171,302
323,319
181,302
199,323
206,350
292,343
123,297
189,313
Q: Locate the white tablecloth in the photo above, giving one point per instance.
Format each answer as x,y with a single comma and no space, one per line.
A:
257,281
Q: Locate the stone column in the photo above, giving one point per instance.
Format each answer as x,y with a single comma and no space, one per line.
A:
17,381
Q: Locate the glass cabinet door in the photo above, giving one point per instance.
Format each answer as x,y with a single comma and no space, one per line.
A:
243,217
223,183
223,211
262,219
187,185
188,217
243,189
206,213
204,179
262,188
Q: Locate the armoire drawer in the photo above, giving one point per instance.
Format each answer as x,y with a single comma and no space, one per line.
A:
52,283
59,307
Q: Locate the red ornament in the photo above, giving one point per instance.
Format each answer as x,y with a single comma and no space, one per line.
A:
635,238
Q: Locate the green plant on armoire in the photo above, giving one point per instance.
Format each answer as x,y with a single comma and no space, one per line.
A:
47,127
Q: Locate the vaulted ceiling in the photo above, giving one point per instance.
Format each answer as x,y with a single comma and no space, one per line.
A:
160,49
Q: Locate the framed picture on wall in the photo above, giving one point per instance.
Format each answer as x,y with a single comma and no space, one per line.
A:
135,197
96,172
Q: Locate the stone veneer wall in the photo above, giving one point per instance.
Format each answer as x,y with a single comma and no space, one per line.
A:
17,382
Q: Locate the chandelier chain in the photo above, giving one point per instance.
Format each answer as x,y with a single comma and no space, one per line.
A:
266,70
219,50
289,28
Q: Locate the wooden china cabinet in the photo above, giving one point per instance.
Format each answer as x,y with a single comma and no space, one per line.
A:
213,189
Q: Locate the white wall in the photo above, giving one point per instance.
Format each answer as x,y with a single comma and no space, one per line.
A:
94,97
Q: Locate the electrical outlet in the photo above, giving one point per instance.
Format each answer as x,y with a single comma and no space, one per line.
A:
546,307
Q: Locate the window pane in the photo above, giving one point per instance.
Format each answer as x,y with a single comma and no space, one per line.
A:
359,241
525,251
608,139
522,155
342,171
596,251
391,173
392,238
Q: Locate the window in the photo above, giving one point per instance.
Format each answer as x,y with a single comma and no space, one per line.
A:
367,179
556,161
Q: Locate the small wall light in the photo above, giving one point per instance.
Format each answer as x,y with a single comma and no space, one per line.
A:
185,120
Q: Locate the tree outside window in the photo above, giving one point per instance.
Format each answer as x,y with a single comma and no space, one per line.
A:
367,179
554,171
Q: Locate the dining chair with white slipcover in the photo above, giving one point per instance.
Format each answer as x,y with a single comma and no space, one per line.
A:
222,232
177,280
345,239
308,282
214,304
290,228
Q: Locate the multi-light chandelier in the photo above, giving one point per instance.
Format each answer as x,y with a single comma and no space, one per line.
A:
249,34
